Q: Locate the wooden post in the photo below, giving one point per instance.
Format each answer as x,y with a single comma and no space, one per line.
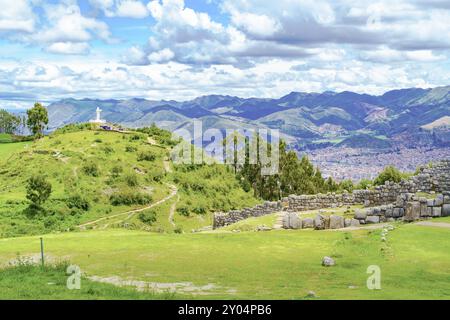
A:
42,252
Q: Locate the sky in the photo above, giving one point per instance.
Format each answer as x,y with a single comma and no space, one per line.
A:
182,49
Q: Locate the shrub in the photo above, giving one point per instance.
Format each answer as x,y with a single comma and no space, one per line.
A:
91,169
78,202
116,171
38,190
130,149
178,230
390,173
146,156
98,140
129,198
108,149
148,217
131,180
184,211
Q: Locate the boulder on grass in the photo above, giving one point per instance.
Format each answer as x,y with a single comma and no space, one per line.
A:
328,262
336,222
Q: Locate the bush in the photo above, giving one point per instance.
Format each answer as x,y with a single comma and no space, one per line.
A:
184,211
389,173
147,217
91,169
129,198
131,180
38,190
146,156
78,202
116,171
130,149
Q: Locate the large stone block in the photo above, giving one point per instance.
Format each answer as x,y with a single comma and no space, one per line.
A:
437,212
319,222
424,209
360,214
373,219
412,212
336,222
439,201
446,210
355,223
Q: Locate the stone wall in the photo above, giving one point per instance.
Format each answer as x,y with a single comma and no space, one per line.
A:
408,207
436,178
429,179
222,219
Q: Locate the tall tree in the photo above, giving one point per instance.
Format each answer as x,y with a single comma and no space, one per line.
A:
37,119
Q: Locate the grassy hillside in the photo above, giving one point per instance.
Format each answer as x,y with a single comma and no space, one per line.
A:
103,176
281,264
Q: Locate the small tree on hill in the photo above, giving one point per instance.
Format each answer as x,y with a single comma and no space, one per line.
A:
38,190
37,120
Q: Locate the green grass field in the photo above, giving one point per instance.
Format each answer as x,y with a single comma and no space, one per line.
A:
415,261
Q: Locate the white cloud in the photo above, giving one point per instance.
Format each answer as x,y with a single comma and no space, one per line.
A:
256,24
131,9
16,15
68,48
164,55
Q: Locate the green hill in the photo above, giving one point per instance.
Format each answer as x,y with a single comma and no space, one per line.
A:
103,179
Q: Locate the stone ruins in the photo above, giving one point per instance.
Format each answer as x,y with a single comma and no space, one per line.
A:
389,202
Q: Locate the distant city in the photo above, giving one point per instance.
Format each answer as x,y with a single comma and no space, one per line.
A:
356,164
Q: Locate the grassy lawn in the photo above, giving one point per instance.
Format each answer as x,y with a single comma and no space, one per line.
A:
51,283
7,149
415,261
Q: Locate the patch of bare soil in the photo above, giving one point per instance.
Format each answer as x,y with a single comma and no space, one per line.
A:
159,287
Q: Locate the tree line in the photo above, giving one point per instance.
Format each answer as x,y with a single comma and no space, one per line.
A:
36,121
296,175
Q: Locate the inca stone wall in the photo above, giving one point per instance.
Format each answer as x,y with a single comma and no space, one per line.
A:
224,219
430,179
408,207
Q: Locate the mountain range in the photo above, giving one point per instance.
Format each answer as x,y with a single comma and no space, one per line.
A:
406,117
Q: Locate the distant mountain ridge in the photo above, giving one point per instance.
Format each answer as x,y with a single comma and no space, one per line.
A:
303,118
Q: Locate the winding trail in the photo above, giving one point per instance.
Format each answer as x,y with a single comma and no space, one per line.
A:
172,212
129,214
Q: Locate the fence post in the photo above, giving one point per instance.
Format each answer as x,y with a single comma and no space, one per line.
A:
42,252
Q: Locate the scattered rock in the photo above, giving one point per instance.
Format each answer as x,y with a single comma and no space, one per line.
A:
263,228
328,262
311,294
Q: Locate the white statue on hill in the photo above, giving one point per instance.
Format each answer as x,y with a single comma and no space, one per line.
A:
98,119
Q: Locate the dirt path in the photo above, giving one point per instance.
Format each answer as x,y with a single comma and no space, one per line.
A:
434,224
172,212
129,214
279,221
